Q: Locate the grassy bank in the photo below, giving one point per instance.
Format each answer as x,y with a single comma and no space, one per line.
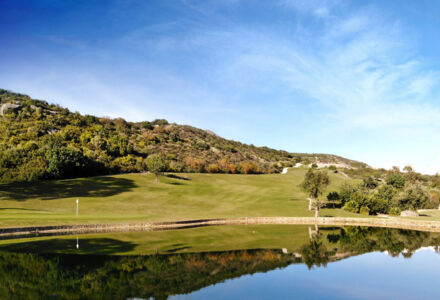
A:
137,198
203,239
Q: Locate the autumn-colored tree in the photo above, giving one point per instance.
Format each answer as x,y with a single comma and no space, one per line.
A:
195,164
249,168
212,168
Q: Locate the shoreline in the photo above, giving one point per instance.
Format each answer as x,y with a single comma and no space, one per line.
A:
35,231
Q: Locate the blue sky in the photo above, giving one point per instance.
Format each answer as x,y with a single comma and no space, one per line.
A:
353,78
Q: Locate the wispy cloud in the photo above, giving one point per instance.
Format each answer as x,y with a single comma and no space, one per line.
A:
304,75
359,67
362,69
319,8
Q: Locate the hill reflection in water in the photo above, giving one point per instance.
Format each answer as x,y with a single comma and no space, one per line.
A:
29,271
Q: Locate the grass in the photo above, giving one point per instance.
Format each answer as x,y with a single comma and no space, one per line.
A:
137,198
203,239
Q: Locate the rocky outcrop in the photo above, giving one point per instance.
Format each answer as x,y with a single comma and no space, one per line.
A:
409,213
7,106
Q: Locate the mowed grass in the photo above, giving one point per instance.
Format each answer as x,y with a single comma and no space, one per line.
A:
202,239
137,198
191,240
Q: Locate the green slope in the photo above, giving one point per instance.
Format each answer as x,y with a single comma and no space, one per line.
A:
137,198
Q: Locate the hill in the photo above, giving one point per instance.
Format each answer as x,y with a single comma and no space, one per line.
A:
39,140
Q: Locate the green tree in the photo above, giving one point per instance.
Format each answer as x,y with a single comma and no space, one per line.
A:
382,201
396,180
155,165
414,197
408,169
357,200
65,162
315,253
333,197
314,184
370,183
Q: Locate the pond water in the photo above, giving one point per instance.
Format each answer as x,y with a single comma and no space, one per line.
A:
226,262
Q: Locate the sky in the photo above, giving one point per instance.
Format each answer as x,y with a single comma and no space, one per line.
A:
358,79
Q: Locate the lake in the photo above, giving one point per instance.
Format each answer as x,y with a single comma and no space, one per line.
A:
225,262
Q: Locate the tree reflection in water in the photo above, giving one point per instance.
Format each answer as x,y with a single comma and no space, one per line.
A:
88,276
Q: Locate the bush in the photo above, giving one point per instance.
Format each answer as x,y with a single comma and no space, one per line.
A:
361,198
396,180
195,164
413,198
435,199
249,168
176,166
386,192
378,205
160,122
65,162
369,183
345,192
126,164
395,211
364,210
333,196
213,168
351,206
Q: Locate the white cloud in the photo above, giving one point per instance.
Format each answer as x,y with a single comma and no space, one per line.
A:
359,69
319,8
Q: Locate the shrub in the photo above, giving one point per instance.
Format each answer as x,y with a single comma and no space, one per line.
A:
378,205
160,122
345,192
413,198
333,196
232,168
351,206
158,129
171,156
435,199
201,145
32,170
364,210
65,162
369,183
386,192
213,168
396,180
147,125
249,168
126,164
176,166
394,211
195,164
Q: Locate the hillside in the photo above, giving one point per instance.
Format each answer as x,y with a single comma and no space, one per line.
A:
39,140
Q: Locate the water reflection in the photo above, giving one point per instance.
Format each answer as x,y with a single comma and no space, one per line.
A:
28,272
